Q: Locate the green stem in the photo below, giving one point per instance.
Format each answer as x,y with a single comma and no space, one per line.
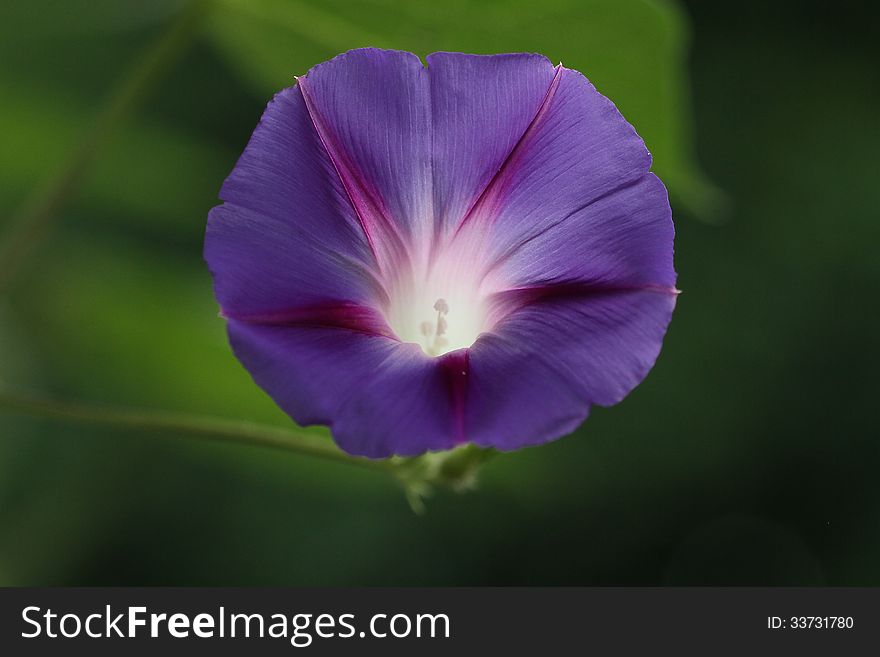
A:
34,217
210,428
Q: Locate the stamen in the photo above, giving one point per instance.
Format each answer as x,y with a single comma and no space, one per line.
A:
440,342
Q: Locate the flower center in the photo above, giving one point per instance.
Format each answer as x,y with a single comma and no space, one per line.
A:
441,311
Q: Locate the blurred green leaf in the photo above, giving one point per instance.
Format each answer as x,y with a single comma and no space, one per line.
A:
19,363
150,173
145,326
633,50
25,20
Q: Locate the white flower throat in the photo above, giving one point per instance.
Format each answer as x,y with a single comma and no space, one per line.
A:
441,311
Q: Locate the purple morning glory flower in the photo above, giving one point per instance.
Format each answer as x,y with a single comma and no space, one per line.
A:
472,251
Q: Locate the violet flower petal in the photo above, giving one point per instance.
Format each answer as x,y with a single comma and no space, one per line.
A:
379,396
577,149
287,235
536,375
623,239
372,110
482,105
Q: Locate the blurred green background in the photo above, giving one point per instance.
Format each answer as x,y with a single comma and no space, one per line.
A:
750,455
